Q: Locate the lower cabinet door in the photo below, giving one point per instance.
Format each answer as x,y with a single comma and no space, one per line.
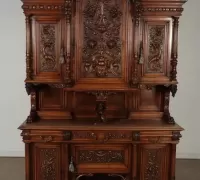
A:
154,161
47,161
101,158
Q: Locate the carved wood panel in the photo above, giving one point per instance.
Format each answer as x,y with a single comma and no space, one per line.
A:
157,36
102,43
55,103
51,99
98,158
47,160
46,47
100,40
154,162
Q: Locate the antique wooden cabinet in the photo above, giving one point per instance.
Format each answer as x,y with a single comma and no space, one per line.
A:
99,74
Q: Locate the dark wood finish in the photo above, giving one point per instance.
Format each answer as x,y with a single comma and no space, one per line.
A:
100,74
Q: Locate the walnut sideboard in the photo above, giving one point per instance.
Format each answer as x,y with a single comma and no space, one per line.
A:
100,75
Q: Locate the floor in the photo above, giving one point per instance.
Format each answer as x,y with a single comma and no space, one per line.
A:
13,169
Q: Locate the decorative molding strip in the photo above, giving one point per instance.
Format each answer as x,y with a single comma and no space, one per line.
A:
43,7
159,9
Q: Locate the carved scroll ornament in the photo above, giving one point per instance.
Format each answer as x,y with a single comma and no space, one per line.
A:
101,156
47,48
48,164
156,44
102,43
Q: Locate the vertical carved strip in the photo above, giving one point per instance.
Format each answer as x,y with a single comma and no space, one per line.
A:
68,13
173,161
28,49
174,49
166,116
135,78
27,161
134,161
65,162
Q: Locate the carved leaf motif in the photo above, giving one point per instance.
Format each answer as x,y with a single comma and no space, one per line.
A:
100,156
48,164
152,167
156,44
47,48
102,43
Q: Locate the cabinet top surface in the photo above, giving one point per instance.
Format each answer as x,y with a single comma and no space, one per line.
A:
90,125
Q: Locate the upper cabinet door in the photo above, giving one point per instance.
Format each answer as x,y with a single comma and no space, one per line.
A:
155,50
47,45
101,41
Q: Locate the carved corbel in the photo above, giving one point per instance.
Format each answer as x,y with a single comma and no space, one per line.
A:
166,115
101,99
176,135
26,135
31,90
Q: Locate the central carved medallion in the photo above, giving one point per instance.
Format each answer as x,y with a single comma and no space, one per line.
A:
101,156
102,43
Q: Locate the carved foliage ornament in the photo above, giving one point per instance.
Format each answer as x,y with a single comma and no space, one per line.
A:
47,47
102,43
156,45
48,164
152,166
101,156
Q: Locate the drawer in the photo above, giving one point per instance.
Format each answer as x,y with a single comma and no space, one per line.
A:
152,137
42,136
101,158
102,136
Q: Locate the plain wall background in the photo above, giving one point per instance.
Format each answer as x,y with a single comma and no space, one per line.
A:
15,104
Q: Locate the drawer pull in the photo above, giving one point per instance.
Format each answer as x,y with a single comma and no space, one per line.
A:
62,58
117,175
81,175
71,166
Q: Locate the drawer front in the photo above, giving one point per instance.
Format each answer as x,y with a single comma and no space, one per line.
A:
101,158
42,136
153,137
102,136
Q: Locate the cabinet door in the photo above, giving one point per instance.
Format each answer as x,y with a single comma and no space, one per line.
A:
156,49
47,162
101,158
154,162
102,42
47,43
